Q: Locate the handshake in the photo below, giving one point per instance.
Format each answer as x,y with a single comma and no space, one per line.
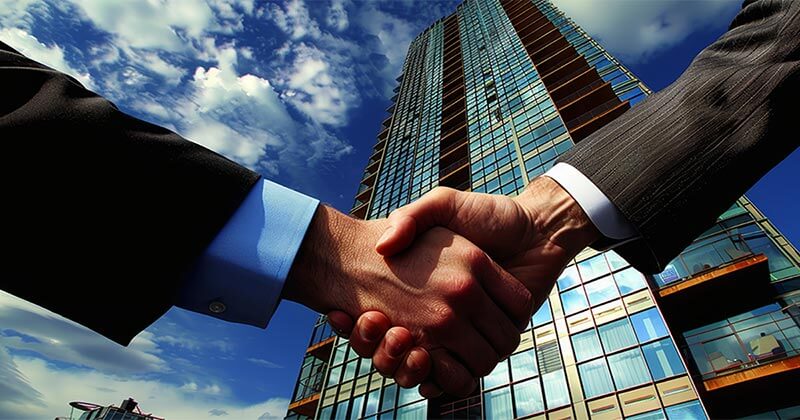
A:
455,279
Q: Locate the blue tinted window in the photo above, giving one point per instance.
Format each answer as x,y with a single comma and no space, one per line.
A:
615,261
601,290
498,376
593,267
573,300
628,369
341,410
586,345
616,335
568,278
629,280
543,315
372,402
663,359
497,404
417,411
595,378
648,325
528,397
687,411
523,365
555,389
389,394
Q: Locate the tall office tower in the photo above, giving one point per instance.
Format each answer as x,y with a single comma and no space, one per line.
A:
488,98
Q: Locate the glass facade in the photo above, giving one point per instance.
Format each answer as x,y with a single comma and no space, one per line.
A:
496,92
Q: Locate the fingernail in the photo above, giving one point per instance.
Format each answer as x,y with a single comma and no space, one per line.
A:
386,235
412,361
394,346
370,331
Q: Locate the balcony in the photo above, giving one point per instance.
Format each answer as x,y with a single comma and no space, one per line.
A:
322,350
716,277
591,121
743,362
359,210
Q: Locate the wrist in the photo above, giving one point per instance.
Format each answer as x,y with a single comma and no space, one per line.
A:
557,216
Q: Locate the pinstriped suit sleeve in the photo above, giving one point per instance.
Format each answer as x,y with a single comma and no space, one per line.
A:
684,155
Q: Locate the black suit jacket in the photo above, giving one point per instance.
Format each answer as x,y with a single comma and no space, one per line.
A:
677,160
101,212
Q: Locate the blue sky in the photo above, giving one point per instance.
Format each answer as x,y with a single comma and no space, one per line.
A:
295,90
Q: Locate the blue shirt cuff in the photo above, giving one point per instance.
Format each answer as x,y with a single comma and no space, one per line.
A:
240,276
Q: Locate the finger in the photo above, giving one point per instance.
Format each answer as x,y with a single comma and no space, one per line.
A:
508,293
451,375
433,209
341,322
497,329
430,390
414,369
474,351
392,350
369,331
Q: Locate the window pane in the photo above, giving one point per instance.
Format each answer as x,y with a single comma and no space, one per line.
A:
595,378
498,404
616,335
372,402
523,365
555,389
408,395
543,315
388,397
326,412
416,411
686,411
630,280
499,376
593,267
615,261
568,278
528,397
341,410
650,415
333,377
648,325
586,345
574,300
350,371
663,359
602,290
628,369
358,403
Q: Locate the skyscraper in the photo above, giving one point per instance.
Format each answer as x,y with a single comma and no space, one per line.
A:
488,98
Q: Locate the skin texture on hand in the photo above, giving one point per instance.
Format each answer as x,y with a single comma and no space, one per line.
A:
533,236
444,292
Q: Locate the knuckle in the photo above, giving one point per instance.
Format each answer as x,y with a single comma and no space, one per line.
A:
475,258
460,287
447,318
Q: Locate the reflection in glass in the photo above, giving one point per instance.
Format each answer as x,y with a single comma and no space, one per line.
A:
615,261
616,335
663,359
497,404
416,411
341,410
372,402
586,345
568,278
528,397
573,300
593,267
498,376
543,315
595,378
389,394
601,290
555,389
523,365
358,404
687,411
630,280
648,325
628,369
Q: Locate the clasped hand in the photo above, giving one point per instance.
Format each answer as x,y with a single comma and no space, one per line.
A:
455,278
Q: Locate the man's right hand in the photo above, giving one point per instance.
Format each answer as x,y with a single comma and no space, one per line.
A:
453,299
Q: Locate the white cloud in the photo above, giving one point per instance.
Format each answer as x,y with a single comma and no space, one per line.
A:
293,19
264,363
60,339
51,55
635,30
53,388
337,16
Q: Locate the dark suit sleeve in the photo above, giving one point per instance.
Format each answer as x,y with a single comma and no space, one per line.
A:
679,159
102,212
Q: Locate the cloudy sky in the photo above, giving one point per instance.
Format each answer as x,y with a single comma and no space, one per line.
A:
295,90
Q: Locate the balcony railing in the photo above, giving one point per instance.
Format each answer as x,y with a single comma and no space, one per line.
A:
742,343
702,256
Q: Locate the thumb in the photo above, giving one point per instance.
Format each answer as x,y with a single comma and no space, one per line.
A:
435,208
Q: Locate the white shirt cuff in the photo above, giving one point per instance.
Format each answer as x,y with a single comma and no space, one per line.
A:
601,211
